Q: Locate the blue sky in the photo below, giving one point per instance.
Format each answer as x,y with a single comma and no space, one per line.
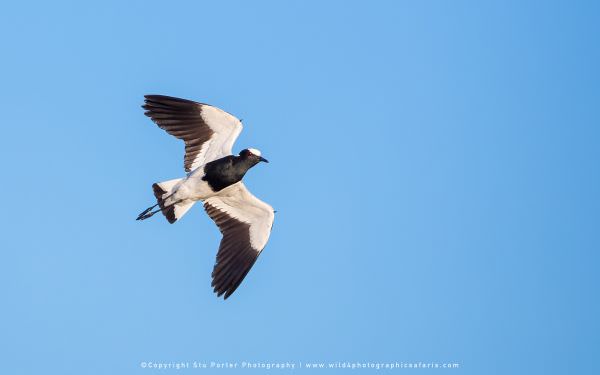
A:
434,166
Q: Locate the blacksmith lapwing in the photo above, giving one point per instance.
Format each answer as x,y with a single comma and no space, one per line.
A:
215,178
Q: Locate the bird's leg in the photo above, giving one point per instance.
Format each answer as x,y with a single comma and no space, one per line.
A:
147,209
145,214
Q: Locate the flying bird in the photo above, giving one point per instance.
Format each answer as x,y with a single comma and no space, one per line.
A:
214,177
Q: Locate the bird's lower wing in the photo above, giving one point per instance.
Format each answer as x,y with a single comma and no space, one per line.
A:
245,222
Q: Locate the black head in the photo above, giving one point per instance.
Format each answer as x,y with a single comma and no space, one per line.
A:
253,155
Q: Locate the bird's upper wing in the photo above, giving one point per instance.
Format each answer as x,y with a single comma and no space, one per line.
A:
245,222
208,132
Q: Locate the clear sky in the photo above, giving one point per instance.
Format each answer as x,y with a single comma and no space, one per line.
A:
434,165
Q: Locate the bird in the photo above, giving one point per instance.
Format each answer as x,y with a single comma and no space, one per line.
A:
213,177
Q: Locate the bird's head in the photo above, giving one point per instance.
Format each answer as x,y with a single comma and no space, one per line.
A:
252,154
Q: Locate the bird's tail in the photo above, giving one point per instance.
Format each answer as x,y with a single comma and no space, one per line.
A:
173,211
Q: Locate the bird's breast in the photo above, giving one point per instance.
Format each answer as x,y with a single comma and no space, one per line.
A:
194,188
222,173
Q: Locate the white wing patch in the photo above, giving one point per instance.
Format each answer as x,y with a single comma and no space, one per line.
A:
240,204
226,128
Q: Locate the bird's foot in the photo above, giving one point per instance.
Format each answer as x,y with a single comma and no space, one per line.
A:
146,213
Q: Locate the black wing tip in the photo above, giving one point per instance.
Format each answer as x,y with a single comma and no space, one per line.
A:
225,293
166,99
229,285
159,99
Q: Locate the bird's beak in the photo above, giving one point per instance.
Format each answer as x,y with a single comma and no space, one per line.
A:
263,159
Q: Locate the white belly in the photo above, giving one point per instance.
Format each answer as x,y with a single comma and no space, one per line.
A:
193,188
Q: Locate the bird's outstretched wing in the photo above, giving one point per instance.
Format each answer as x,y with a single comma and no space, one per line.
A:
245,222
208,132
